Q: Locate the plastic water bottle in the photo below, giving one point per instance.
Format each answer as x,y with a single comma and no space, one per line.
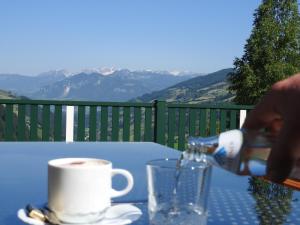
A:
239,151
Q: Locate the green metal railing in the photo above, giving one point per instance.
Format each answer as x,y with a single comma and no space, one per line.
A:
165,123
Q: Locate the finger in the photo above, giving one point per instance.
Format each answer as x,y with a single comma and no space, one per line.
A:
264,113
280,99
285,152
274,127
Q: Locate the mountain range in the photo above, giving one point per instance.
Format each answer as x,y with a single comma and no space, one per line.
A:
121,85
28,85
118,85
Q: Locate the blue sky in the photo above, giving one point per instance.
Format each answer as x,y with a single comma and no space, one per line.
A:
193,35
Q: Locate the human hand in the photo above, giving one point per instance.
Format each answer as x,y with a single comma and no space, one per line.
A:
279,113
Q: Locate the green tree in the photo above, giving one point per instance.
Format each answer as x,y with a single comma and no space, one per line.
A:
271,53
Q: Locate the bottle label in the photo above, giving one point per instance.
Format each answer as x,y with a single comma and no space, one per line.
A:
230,144
220,156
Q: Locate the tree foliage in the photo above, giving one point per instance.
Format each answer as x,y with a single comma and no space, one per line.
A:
271,53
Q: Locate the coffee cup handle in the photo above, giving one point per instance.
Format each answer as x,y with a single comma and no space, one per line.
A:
128,176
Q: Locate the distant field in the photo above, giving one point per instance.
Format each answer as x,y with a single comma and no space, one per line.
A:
6,95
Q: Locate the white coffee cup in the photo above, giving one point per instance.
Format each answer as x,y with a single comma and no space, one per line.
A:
80,189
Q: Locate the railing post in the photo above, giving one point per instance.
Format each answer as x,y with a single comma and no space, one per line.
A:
69,123
159,121
243,114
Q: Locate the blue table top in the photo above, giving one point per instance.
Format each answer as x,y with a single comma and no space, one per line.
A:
233,199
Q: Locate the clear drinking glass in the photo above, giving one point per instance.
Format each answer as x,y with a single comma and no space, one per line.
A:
178,196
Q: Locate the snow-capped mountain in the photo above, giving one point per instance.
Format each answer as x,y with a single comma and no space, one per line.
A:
103,70
114,85
103,84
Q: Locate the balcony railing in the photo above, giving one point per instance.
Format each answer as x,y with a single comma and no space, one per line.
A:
165,123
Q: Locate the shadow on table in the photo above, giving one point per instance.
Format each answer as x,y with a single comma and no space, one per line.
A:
273,201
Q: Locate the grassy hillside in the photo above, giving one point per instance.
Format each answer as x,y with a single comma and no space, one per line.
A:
6,95
203,89
9,95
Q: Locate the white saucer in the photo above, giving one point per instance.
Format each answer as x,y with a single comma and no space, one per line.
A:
120,214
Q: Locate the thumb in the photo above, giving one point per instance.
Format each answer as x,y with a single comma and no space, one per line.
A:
284,153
